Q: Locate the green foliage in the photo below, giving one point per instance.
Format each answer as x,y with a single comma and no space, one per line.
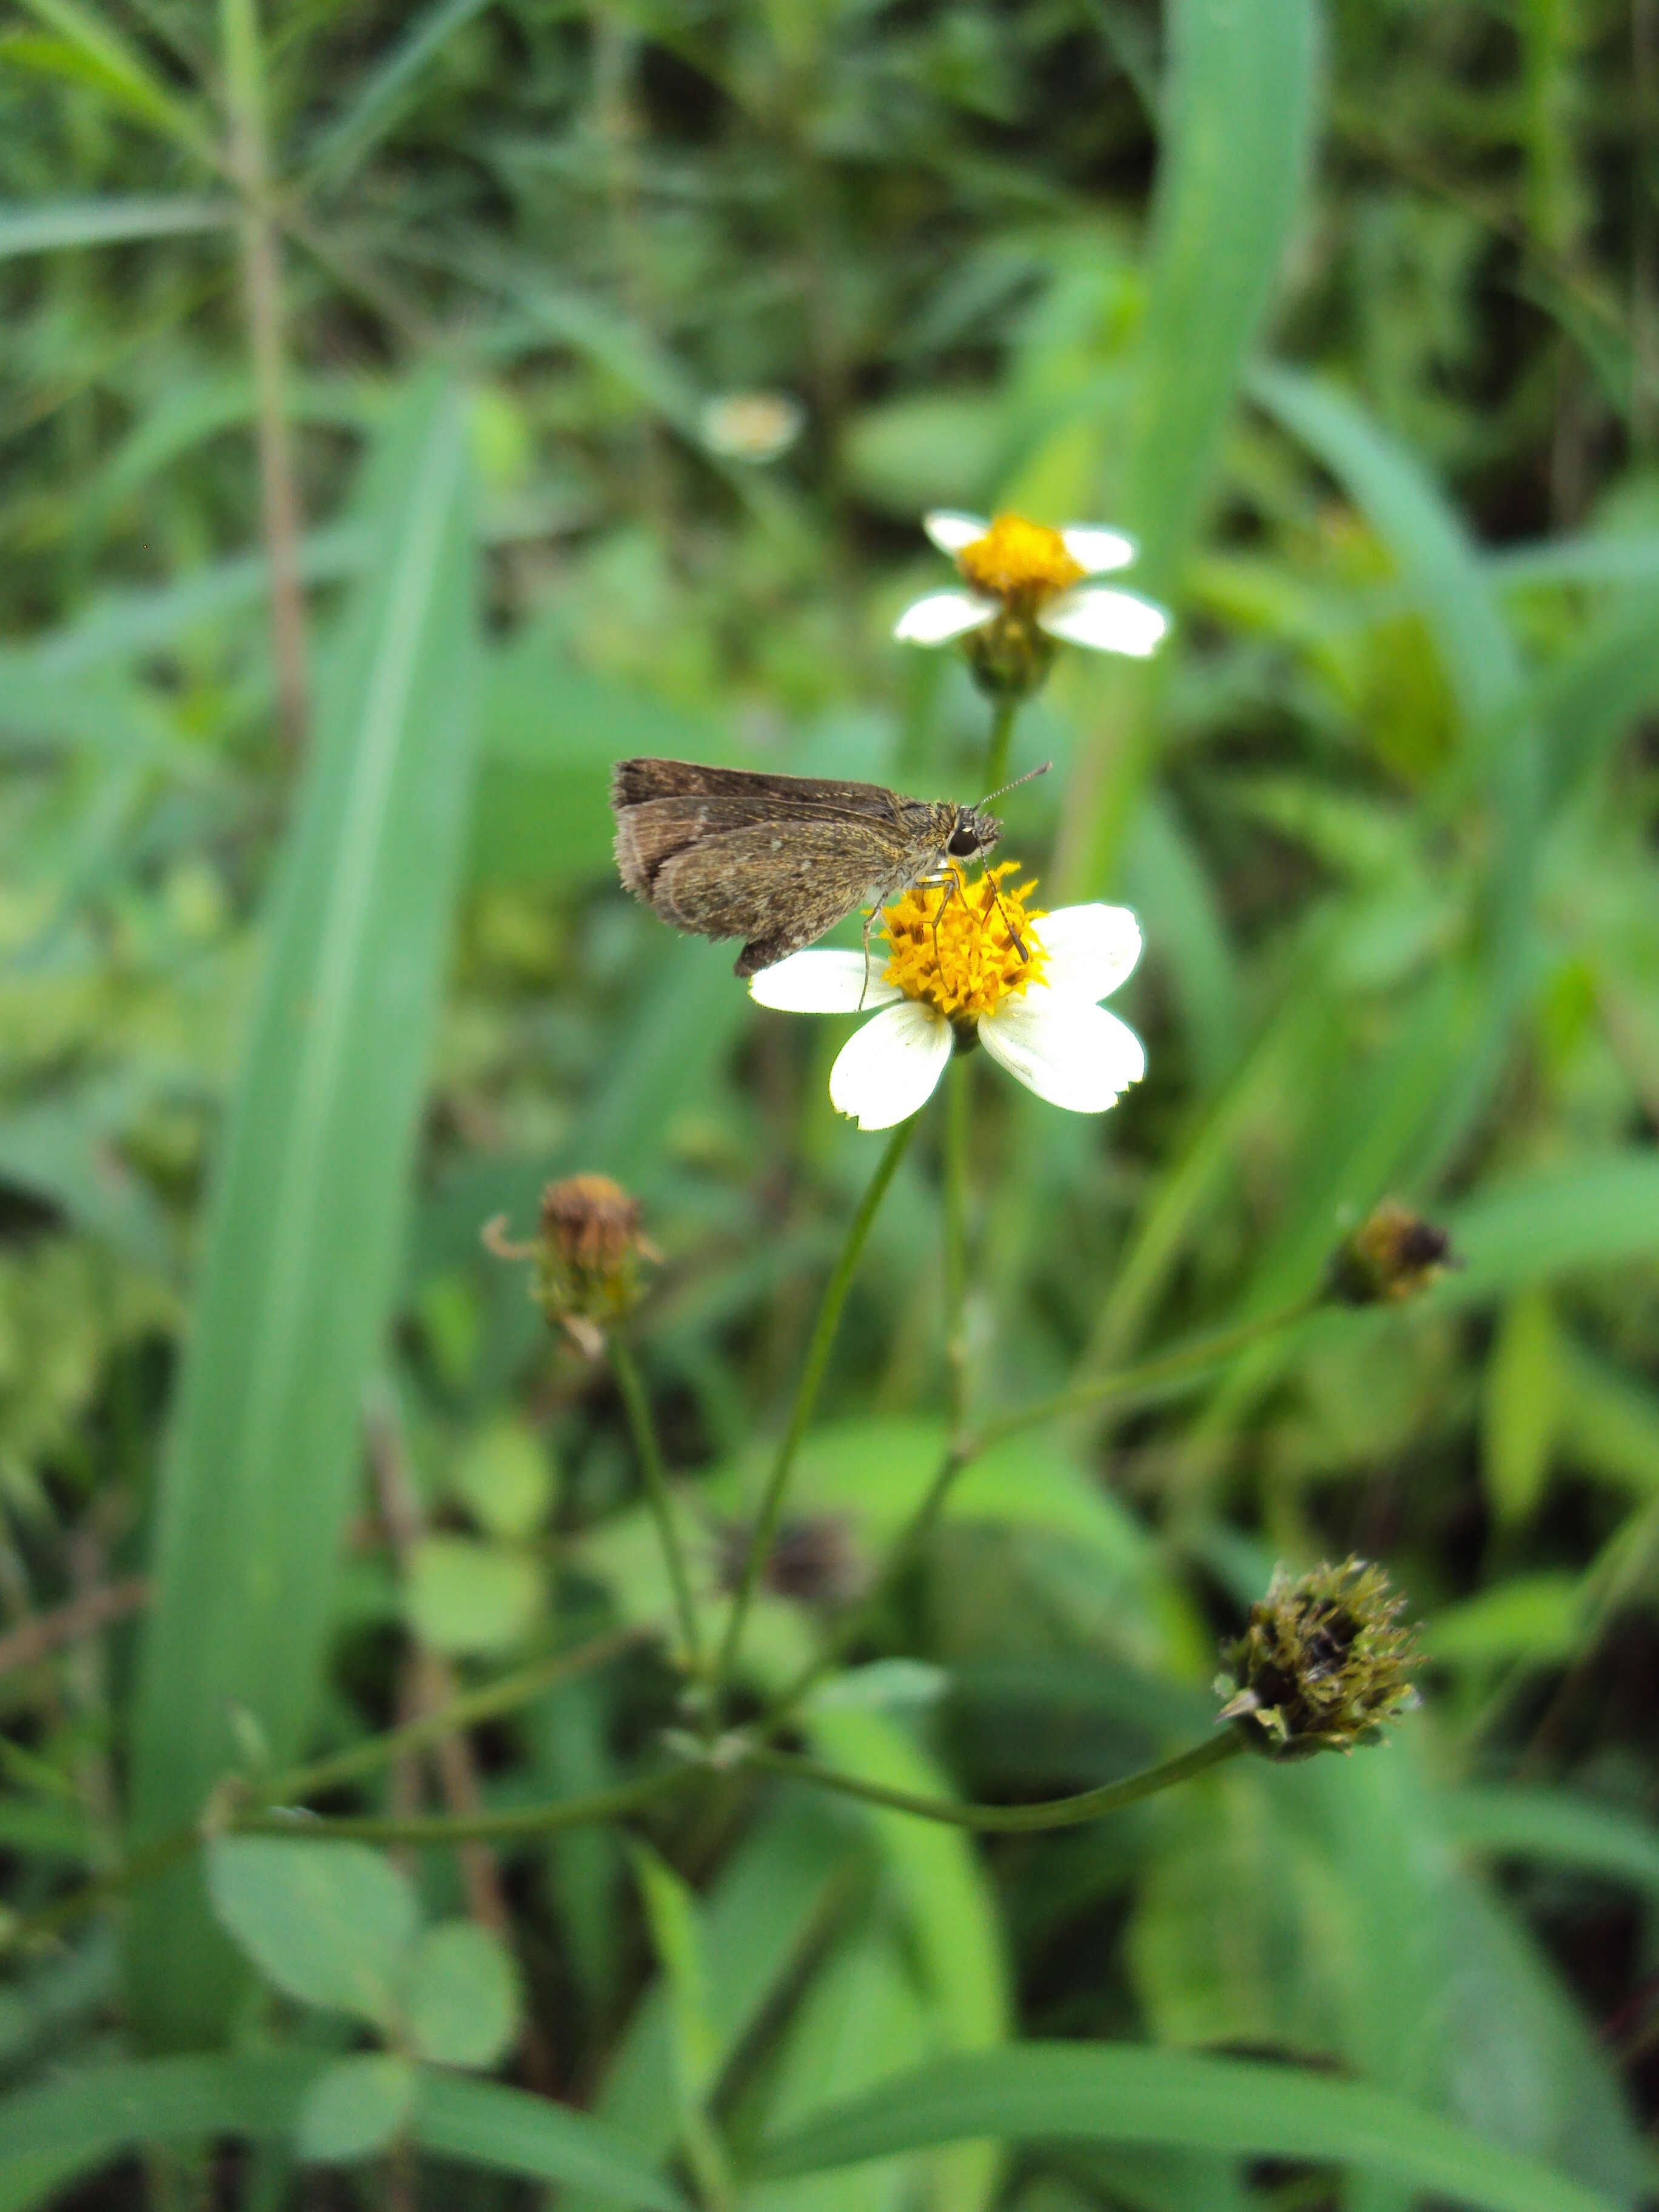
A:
1345,312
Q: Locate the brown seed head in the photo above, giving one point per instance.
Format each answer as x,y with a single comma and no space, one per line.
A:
586,1256
1391,1257
1322,1665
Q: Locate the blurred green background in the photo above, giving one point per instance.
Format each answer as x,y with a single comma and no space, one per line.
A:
366,493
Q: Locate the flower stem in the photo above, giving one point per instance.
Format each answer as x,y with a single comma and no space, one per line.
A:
958,1102
1002,737
643,1429
1149,1377
800,1413
1009,1820
1187,1362
440,1828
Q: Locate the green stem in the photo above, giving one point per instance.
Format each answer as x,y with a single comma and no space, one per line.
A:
488,1702
439,1828
806,1397
637,1407
958,1100
1187,1363
1151,1376
1008,1820
1002,738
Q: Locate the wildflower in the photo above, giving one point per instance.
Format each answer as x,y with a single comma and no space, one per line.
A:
1390,1257
751,426
586,1256
1026,588
1322,1664
970,963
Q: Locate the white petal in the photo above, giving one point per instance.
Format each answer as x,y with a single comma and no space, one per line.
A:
1070,1053
887,1070
942,616
823,983
1090,949
1109,621
1096,550
951,532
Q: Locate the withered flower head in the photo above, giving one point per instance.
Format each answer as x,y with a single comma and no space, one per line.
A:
588,1256
1324,1664
813,1560
1391,1257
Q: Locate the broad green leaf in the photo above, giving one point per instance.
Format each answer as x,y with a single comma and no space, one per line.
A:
83,2119
1107,2093
504,1477
464,1595
1238,109
357,2107
1535,1617
329,1924
947,1903
1555,1222
509,2132
305,1219
1556,1829
461,1995
72,2127
60,223
1522,1407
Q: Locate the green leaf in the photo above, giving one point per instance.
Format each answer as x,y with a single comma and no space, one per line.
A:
71,2127
109,60
1595,1214
1422,530
357,2107
1523,1407
306,1220
354,133
1561,1830
84,2119
1240,106
460,1998
1114,2094
509,2132
504,1478
467,1596
62,223
1536,1617
328,1922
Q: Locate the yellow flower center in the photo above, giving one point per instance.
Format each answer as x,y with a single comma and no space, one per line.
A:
1020,562
958,947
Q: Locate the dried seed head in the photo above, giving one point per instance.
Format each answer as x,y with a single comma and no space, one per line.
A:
1322,1665
588,1256
1391,1257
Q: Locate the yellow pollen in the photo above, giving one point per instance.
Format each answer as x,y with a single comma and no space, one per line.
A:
1019,561
954,943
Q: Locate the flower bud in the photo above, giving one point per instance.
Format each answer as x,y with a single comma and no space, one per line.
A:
1011,657
586,1256
1391,1257
1322,1665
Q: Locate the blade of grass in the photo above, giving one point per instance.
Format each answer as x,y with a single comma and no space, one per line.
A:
1240,102
63,223
307,1219
1116,2093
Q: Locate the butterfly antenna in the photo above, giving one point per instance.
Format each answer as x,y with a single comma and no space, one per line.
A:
1030,774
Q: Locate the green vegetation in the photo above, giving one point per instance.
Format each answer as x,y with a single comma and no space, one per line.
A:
738,1731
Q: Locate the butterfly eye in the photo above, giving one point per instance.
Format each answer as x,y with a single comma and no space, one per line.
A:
962,846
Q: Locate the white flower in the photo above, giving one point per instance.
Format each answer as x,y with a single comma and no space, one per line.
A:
966,960
1023,574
